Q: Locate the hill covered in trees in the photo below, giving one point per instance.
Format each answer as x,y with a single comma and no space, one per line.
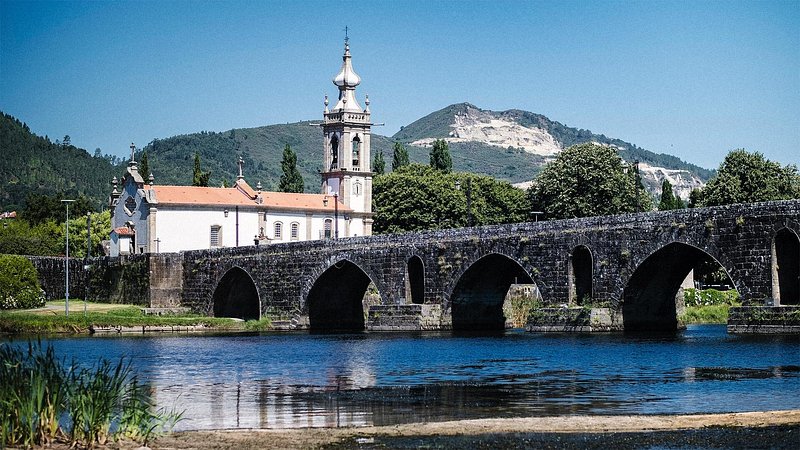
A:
514,144
509,145
32,164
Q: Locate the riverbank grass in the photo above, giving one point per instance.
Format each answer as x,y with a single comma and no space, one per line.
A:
52,319
45,399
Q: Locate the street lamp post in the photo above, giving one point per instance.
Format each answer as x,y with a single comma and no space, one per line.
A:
336,215
66,261
87,266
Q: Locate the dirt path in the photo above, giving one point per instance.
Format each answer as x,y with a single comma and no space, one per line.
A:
497,428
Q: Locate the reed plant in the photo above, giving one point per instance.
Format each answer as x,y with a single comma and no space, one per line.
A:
43,399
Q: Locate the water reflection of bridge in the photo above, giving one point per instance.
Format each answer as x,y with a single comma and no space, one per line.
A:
459,278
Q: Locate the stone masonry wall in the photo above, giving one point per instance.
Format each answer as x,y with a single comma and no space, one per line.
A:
739,237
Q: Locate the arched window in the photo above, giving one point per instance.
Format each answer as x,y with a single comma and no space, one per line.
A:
334,152
357,188
295,231
278,231
356,150
327,228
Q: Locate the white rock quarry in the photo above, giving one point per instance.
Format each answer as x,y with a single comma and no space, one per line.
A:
479,126
474,125
682,180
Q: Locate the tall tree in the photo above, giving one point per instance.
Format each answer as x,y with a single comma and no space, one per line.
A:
745,177
378,164
144,167
291,180
587,180
668,198
399,156
440,156
199,178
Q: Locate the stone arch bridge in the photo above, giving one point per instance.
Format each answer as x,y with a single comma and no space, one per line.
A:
634,264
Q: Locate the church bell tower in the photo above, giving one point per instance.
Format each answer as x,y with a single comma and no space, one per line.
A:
346,173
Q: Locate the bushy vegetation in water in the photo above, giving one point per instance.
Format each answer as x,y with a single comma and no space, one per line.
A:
19,283
44,399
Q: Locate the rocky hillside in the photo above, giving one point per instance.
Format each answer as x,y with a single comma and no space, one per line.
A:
519,142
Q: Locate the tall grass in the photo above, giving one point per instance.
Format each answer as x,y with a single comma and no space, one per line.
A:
43,399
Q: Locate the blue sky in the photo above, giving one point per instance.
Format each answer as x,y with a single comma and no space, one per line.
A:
690,78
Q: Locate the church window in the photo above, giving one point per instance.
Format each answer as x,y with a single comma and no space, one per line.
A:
357,188
334,152
327,227
295,231
216,236
278,231
356,150
130,205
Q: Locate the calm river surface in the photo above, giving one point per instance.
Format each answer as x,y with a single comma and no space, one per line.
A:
299,380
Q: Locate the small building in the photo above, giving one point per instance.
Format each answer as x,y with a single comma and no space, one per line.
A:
150,218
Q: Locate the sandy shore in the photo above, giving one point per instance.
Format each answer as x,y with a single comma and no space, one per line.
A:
498,431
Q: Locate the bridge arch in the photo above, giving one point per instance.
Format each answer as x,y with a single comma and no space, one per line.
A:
581,275
476,300
786,267
236,296
649,297
335,300
415,280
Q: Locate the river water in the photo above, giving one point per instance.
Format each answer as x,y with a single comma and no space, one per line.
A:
280,380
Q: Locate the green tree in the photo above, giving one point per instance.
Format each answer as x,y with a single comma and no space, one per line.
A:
378,164
40,208
199,178
745,177
291,180
100,230
694,198
18,237
440,156
144,167
417,197
668,199
588,180
399,156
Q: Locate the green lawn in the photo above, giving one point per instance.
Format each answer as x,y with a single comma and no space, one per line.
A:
52,319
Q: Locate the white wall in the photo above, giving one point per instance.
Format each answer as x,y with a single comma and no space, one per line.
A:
189,228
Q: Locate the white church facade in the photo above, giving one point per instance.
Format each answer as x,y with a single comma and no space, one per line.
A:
150,218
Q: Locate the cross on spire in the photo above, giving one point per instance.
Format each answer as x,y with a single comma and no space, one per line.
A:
346,37
133,151
240,163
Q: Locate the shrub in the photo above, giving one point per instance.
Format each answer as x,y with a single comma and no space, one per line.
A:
19,283
695,297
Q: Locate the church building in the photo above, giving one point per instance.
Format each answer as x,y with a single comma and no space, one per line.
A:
150,218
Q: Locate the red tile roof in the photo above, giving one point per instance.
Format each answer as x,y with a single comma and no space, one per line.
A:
123,231
233,196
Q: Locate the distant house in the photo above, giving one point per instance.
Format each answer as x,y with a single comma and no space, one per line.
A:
150,218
